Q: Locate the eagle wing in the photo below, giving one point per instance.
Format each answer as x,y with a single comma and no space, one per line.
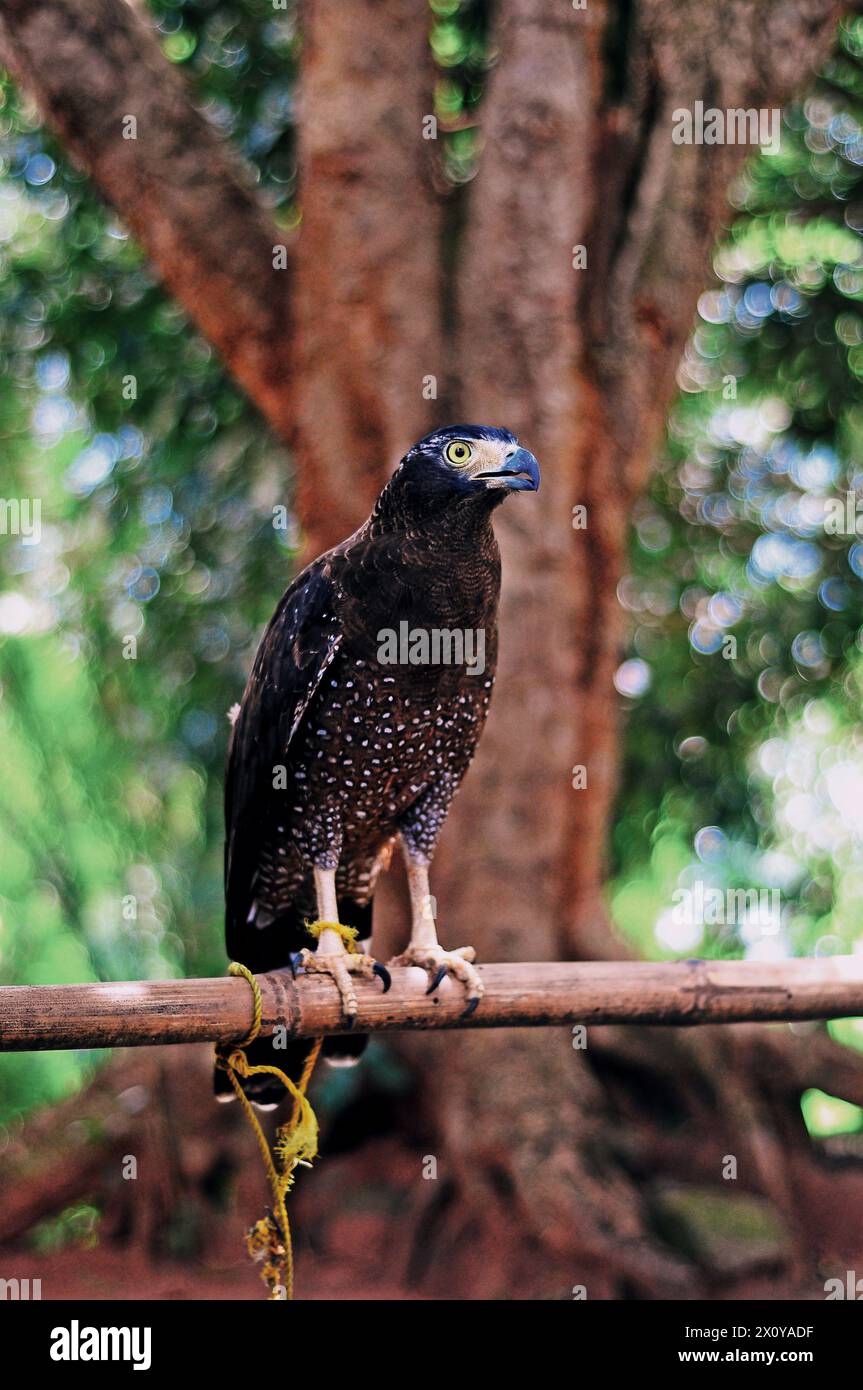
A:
299,644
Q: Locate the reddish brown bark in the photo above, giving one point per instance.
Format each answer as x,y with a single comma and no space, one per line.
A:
368,281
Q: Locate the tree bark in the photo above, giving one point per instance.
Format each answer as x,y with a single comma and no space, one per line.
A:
556,1166
368,264
581,363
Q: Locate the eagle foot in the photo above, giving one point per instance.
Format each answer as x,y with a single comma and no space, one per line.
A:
438,963
341,965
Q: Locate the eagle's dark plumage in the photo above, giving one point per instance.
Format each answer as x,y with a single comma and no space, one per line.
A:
335,752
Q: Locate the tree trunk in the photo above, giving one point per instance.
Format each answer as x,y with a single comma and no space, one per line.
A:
368,277
555,1166
580,363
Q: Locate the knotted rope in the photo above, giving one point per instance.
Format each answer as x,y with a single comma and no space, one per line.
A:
296,1143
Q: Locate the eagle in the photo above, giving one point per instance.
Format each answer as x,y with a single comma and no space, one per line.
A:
365,703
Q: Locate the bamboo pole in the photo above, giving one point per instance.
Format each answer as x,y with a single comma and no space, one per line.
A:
45,1017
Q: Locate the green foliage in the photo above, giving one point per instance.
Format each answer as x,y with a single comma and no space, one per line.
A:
157,485
76,1227
826,1115
460,45
745,676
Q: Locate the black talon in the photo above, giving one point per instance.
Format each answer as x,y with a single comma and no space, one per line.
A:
383,975
295,963
441,974
471,1007
349,1020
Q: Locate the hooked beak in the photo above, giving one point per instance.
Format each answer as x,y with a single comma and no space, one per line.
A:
519,473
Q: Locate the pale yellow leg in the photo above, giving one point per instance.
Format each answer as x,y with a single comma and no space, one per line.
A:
330,957
424,949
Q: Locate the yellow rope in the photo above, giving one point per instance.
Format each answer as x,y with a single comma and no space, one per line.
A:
296,1142
348,934
235,968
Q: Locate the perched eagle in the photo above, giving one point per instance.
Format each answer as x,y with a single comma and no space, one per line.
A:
362,712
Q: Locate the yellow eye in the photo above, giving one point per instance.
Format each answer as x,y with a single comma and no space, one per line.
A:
457,451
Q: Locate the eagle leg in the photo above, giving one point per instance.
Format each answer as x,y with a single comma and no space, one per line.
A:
331,958
424,949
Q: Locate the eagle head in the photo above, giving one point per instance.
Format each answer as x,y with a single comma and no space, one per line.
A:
470,461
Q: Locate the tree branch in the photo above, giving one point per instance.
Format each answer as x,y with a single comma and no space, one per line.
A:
183,192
